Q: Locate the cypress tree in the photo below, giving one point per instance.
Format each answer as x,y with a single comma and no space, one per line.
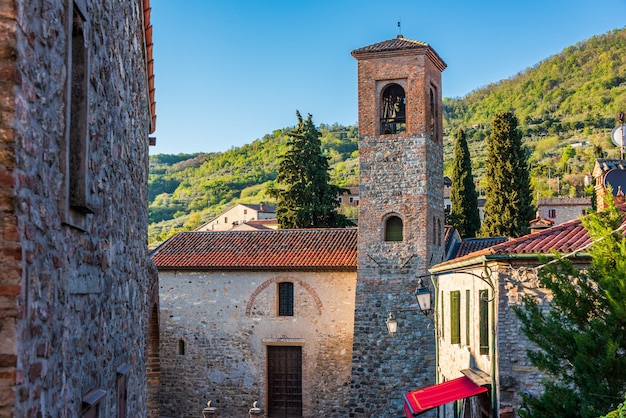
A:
581,340
508,206
464,215
305,198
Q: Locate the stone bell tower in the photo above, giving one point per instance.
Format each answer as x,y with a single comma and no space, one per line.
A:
401,220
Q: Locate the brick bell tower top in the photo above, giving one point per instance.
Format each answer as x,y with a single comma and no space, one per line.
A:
414,65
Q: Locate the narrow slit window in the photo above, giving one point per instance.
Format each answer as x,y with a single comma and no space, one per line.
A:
181,347
285,299
78,143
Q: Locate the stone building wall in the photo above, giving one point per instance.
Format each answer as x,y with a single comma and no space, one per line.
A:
516,374
400,175
507,362
75,283
216,326
10,245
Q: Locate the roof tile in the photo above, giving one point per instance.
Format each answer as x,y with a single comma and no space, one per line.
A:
292,249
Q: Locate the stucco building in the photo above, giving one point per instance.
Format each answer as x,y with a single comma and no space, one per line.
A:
77,288
482,365
239,215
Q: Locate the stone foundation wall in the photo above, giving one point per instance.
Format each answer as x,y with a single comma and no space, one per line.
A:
384,368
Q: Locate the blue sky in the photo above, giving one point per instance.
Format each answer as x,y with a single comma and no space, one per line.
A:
228,72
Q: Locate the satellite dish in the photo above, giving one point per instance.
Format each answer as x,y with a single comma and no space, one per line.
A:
617,136
615,177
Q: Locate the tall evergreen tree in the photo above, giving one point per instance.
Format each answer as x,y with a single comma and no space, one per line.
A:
464,215
306,199
508,206
581,339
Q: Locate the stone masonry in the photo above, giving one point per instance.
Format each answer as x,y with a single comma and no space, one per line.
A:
400,175
216,327
76,284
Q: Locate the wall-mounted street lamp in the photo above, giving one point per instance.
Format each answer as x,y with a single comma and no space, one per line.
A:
392,324
423,296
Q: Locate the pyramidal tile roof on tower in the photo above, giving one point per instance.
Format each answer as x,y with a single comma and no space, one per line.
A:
397,46
286,249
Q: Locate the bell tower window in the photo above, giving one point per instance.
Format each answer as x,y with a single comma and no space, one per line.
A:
393,110
393,229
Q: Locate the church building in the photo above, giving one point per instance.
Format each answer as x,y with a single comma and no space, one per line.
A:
295,319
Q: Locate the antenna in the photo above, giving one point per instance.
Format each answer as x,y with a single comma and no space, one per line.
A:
618,135
399,29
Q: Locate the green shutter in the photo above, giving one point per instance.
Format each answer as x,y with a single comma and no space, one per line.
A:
455,317
483,295
467,317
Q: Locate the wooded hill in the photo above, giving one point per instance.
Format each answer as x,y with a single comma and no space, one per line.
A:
566,106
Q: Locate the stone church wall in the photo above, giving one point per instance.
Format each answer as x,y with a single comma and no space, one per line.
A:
216,326
75,285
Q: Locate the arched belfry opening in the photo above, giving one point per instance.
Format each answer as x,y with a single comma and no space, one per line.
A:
393,110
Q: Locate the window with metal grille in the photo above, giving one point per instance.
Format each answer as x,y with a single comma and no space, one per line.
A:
285,299
284,386
483,297
455,317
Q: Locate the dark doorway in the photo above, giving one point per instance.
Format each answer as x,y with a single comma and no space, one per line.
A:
284,376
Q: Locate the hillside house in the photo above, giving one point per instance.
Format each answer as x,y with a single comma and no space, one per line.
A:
257,316
562,209
240,214
79,301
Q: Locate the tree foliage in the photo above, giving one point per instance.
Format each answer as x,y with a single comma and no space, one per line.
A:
305,198
508,206
581,339
464,215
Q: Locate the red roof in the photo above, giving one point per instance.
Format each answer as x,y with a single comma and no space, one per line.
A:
431,397
286,249
149,61
399,45
564,238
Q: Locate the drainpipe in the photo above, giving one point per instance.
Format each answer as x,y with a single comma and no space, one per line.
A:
494,361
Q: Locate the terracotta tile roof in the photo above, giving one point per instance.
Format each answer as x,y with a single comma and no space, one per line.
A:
396,44
287,249
564,238
604,165
400,45
149,61
260,207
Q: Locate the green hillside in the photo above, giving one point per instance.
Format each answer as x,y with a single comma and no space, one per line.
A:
187,190
566,106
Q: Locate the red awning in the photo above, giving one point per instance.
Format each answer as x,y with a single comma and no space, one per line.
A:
431,397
